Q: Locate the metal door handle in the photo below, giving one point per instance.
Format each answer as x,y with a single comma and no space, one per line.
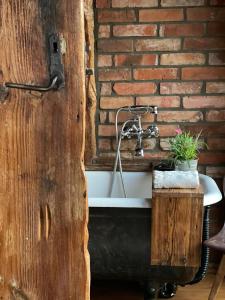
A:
52,85
57,78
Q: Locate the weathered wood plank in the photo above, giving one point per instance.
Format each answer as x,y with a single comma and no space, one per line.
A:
43,204
176,229
91,101
198,192
218,281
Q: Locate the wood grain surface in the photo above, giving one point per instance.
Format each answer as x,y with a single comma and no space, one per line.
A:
43,203
218,281
198,192
176,229
91,101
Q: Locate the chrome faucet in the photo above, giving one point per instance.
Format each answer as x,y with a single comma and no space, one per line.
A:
132,128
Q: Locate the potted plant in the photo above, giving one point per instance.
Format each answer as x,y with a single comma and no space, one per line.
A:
184,149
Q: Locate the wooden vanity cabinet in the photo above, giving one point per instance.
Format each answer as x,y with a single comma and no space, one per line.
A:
176,229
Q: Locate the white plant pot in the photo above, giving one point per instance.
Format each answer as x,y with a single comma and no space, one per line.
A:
187,165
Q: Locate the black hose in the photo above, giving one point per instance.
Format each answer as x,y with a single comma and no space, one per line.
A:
200,275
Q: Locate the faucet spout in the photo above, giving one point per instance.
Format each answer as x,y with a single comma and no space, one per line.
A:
139,151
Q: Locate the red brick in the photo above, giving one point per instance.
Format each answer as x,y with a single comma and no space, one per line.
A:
203,73
161,15
160,101
104,31
114,74
115,102
173,3
136,59
130,145
135,30
104,61
205,14
215,172
106,89
164,144
102,3
104,144
115,45
182,59
134,88
149,144
156,73
159,155
167,130
216,144
214,129
185,29
217,2
179,116
126,145
215,87
106,130
123,116
180,88
216,28
158,45
116,16
204,43
217,58
215,116
134,3
111,156
211,158
204,102
103,116
208,130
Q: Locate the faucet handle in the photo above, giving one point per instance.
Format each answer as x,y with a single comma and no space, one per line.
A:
153,131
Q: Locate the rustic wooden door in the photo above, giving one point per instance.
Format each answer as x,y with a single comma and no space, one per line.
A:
43,205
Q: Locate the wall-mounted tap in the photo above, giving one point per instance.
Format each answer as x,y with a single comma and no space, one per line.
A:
132,128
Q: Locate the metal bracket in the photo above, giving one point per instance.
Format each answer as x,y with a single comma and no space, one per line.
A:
89,72
56,66
3,93
57,79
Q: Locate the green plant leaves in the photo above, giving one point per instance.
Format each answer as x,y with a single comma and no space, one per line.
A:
185,147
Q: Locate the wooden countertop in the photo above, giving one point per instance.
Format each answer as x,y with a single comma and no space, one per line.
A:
179,192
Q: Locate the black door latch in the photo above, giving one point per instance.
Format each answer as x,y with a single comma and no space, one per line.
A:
56,70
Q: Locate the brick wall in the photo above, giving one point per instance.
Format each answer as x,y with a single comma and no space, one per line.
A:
169,53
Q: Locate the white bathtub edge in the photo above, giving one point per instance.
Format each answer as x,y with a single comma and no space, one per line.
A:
119,202
212,195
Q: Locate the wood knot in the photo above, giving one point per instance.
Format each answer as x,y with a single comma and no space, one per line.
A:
48,184
16,292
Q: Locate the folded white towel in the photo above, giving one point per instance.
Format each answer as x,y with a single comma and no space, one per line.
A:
176,179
